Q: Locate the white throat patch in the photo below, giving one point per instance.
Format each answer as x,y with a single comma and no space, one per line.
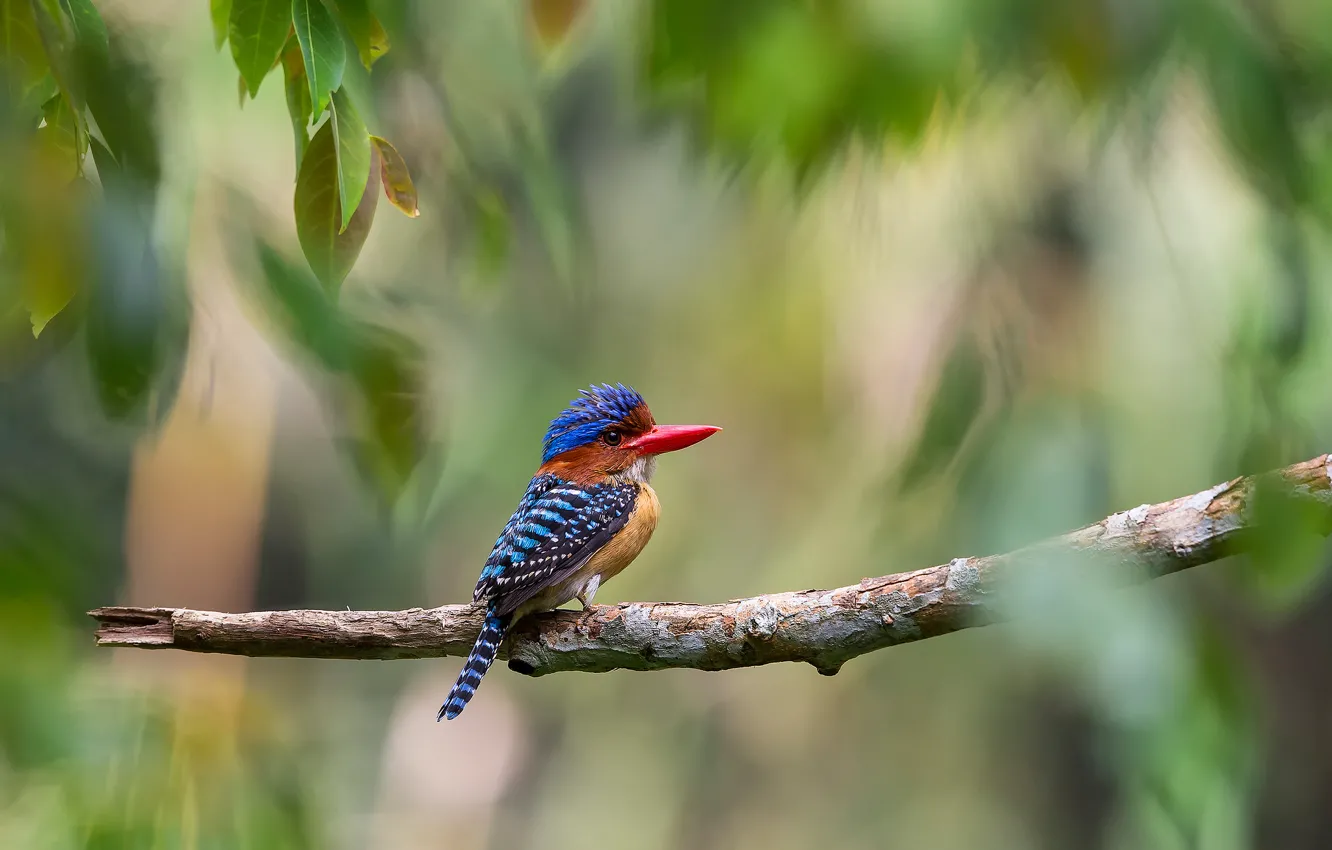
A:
641,471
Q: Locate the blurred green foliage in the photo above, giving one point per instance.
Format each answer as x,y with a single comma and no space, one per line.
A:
1132,307
70,83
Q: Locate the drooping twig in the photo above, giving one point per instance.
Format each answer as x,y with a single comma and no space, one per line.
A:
824,628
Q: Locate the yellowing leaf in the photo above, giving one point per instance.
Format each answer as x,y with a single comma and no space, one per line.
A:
46,237
367,33
353,149
397,180
330,248
60,139
21,49
46,298
48,288
552,19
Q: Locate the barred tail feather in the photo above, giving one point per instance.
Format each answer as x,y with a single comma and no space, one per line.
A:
478,662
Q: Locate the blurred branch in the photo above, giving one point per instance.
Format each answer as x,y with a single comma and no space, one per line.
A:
825,628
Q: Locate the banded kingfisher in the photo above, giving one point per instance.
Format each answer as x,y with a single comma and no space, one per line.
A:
587,513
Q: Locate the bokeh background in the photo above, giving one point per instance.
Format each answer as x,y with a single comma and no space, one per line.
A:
953,275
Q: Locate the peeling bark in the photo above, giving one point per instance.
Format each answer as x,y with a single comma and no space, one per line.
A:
824,628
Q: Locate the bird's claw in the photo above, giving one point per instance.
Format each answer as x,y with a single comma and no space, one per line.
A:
589,591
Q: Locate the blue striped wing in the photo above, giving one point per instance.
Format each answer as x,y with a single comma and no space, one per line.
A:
558,526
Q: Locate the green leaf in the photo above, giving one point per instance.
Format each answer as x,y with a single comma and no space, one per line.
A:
366,32
298,98
788,82
220,11
1251,94
127,308
53,12
381,368
62,139
121,94
321,48
954,412
60,122
353,148
387,369
308,316
258,30
21,49
494,232
1288,550
552,204
56,38
330,249
397,180
89,28
107,167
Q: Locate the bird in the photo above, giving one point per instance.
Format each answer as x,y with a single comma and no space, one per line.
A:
587,513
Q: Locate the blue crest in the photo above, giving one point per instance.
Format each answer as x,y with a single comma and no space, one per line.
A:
587,416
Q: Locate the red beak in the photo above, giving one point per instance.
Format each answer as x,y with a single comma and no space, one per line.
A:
669,438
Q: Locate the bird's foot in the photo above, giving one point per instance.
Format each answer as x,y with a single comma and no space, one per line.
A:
589,591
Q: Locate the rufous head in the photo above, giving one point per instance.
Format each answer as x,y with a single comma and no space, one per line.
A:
609,431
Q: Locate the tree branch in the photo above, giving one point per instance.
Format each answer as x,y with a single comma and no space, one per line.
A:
824,628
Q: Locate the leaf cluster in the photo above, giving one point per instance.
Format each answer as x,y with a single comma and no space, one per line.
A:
336,155
80,251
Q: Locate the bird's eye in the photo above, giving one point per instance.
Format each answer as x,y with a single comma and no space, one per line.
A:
611,438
